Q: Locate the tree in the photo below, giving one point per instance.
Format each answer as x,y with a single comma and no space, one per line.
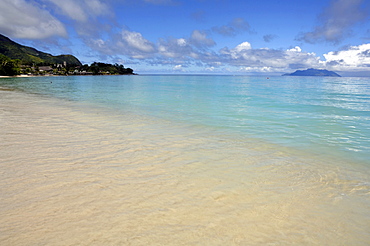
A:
102,68
8,67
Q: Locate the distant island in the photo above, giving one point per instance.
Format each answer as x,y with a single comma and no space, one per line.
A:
313,72
17,59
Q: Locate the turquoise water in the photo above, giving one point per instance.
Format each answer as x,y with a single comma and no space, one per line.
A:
326,116
184,160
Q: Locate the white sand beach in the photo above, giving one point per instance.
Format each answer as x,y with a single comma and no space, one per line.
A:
76,175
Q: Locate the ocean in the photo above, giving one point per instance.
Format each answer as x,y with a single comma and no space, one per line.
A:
184,160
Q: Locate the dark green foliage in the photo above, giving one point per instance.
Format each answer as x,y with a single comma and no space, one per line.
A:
16,59
31,56
8,67
106,68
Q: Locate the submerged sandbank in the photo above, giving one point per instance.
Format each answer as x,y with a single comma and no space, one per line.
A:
73,173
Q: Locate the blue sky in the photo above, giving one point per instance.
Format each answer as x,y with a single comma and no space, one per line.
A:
198,36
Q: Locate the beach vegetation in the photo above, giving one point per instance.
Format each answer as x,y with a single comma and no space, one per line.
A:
18,59
105,68
31,56
8,67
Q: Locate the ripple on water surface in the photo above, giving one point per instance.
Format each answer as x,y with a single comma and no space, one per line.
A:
74,174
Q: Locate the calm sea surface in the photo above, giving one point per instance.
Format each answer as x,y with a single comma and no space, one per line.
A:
184,160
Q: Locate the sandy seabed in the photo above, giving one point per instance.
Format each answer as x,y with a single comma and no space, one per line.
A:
73,174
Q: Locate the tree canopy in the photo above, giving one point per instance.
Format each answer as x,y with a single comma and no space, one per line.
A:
19,59
8,67
101,68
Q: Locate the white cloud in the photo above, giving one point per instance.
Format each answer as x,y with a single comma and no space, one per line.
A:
72,9
99,43
355,58
176,48
295,49
97,7
81,10
137,42
262,59
259,69
243,46
178,68
336,21
126,43
352,59
20,19
83,15
181,42
27,19
200,39
185,49
244,57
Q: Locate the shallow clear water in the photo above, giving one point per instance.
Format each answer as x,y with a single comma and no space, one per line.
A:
323,115
184,160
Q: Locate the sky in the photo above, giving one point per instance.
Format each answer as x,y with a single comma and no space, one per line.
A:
198,36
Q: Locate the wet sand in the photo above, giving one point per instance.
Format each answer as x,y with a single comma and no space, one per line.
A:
73,174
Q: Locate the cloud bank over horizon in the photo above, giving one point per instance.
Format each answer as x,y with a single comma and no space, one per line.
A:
167,41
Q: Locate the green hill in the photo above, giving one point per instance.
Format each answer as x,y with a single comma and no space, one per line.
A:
28,55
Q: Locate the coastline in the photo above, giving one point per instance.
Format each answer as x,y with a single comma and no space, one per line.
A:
51,75
25,76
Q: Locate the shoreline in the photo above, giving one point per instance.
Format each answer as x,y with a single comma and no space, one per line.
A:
51,75
28,76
